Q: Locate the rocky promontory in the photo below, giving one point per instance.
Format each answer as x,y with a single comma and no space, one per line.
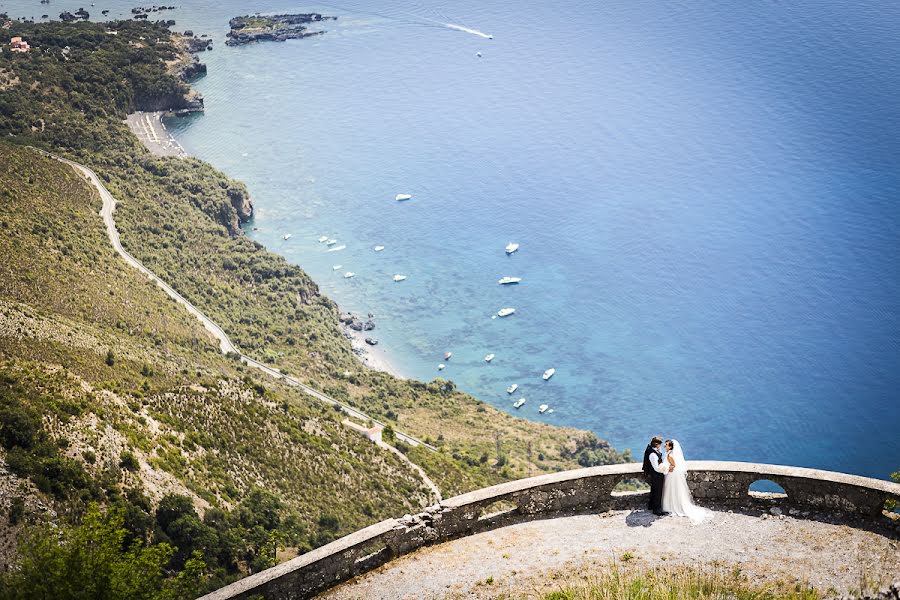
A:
275,28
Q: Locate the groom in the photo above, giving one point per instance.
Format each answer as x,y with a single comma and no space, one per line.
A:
653,469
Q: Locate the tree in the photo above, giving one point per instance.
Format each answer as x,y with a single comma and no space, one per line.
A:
92,561
110,358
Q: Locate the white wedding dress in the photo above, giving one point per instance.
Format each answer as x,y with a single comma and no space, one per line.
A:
676,496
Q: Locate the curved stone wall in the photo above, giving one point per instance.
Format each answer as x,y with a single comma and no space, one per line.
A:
713,483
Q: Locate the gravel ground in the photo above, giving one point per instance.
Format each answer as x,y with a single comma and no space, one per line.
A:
832,558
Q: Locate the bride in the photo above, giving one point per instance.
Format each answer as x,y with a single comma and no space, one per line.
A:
676,496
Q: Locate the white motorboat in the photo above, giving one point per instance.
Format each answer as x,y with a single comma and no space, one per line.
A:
441,367
379,248
549,373
336,248
336,267
509,280
330,242
542,408
511,247
505,312
511,389
323,239
287,236
518,403
399,277
349,274
478,54
489,358
402,197
447,355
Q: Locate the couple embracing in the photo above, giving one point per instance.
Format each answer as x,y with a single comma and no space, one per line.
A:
669,492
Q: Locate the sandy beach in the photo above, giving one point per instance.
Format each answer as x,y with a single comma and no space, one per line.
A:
373,357
149,129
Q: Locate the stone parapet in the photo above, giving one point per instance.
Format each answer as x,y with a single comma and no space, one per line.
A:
716,484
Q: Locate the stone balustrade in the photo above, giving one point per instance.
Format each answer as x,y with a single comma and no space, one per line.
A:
715,484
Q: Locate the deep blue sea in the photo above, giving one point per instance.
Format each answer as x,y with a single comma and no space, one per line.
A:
707,198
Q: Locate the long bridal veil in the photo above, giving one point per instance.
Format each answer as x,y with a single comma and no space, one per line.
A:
677,497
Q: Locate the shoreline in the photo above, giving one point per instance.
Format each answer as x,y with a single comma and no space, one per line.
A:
152,133
372,357
159,141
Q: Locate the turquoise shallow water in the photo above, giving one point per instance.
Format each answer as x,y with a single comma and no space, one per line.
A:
706,199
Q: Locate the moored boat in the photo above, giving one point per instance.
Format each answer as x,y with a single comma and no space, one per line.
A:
511,247
518,403
441,367
505,312
509,280
287,236
489,358
336,267
323,239
349,274
548,374
401,197
399,277
542,408
447,355
379,248
511,389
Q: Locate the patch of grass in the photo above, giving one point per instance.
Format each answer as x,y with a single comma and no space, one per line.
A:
706,582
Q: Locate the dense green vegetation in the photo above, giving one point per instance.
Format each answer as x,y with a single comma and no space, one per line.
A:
110,394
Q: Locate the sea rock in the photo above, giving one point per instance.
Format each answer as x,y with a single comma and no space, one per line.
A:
241,202
369,325
192,71
355,324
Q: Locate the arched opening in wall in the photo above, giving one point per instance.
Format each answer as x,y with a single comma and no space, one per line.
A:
766,489
628,487
497,509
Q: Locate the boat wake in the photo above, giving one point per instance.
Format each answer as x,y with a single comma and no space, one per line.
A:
469,30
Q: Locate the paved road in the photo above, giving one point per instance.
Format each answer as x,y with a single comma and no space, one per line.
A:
225,344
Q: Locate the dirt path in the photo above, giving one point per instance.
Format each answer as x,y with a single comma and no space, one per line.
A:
225,344
523,559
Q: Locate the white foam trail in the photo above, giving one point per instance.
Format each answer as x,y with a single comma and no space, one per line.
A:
467,30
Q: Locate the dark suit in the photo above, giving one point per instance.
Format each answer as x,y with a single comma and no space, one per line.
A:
655,479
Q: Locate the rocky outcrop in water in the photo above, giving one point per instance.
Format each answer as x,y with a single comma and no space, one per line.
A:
275,28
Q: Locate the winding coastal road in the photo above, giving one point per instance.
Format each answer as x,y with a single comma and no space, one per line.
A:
225,344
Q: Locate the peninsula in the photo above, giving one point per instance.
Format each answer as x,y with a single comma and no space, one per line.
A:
277,28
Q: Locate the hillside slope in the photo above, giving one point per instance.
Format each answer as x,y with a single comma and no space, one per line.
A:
125,398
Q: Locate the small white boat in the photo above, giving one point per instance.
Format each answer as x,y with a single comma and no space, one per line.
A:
379,248
542,408
511,247
330,242
518,403
441,367
336,267
323,239
509,280
336,248
287,236
447,355
399,277
489,358
349,274
402,197
512,388
478,54
548,374
505,312
550,411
